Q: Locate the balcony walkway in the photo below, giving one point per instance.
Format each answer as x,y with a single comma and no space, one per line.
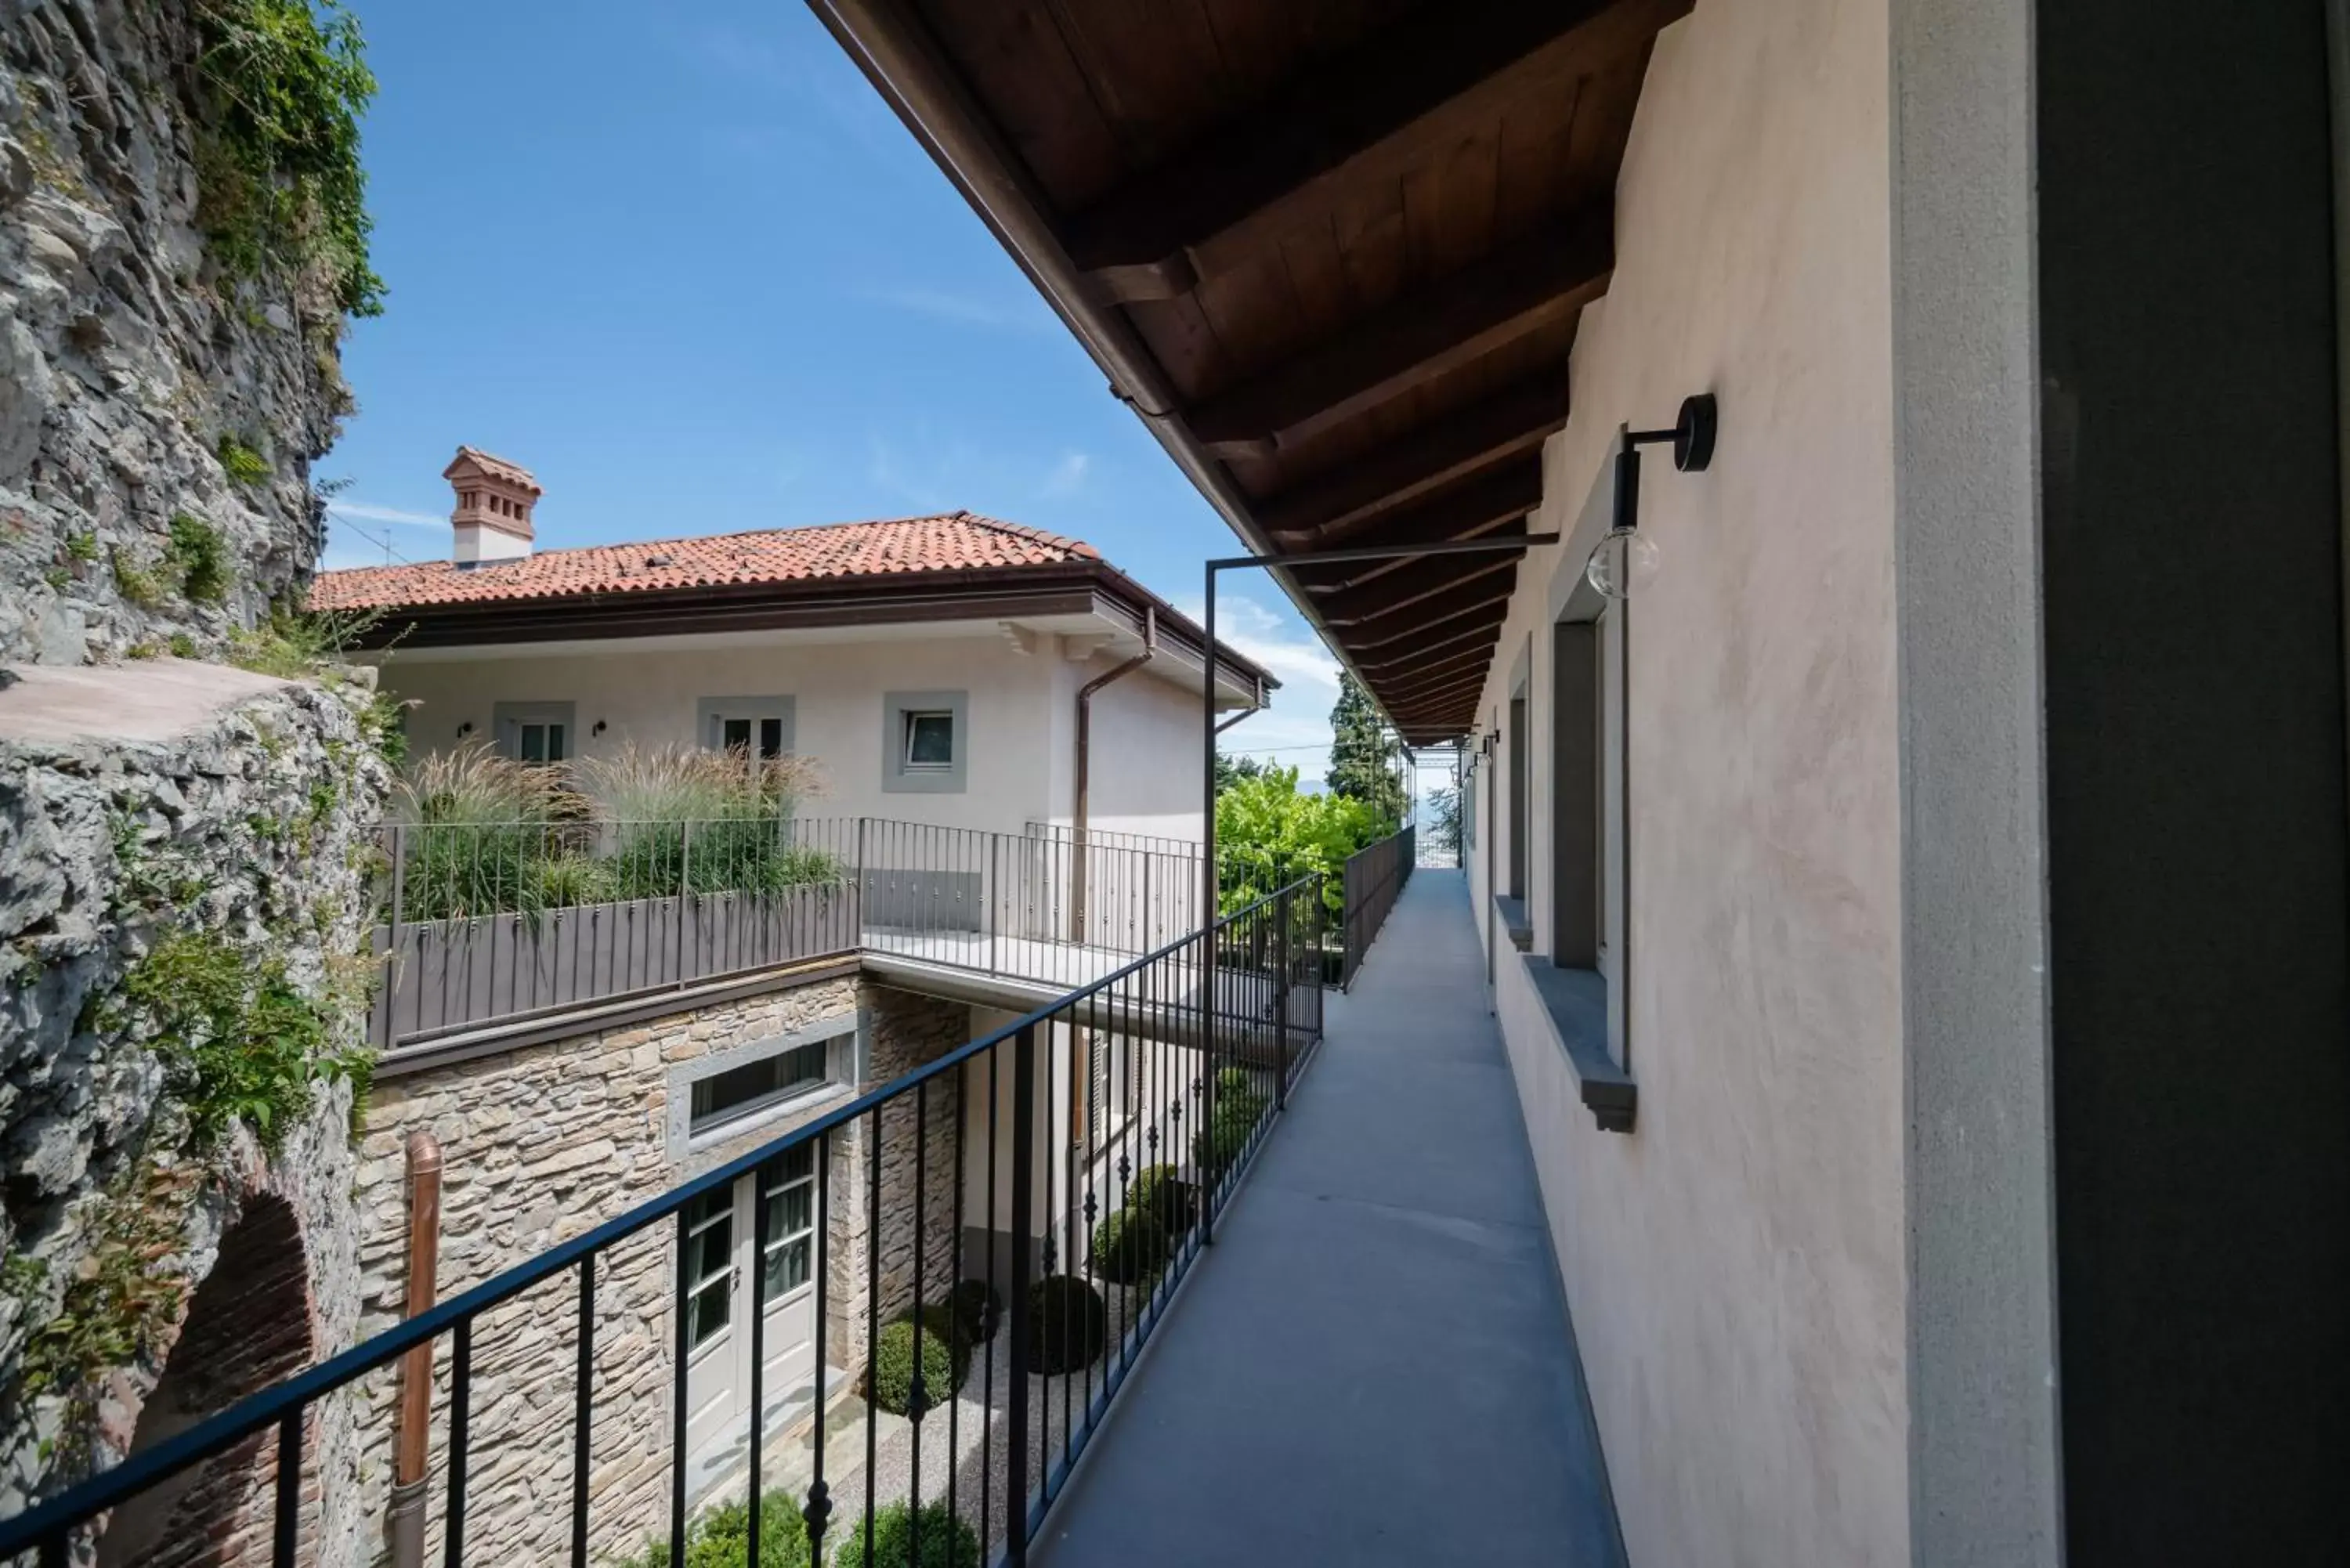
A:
1374,1366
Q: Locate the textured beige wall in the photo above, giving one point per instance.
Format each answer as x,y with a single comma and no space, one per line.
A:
543,1144
1735,1267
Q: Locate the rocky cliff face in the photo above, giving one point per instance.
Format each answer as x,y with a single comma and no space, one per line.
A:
159,413
186,849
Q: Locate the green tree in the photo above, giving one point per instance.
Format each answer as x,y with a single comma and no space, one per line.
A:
1362,757
1268,835
1231,769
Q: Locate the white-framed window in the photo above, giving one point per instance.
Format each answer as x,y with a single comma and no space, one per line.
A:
929,740
730,1275
926,741
757,726
536,732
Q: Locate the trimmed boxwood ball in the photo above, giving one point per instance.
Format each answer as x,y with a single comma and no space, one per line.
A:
1068,1324
1217,1145
1128,1246
942,1540
946,1357
1234,1083
1157,1191
978,1309
721,1538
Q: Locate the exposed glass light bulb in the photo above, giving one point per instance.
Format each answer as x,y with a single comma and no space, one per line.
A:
1623,563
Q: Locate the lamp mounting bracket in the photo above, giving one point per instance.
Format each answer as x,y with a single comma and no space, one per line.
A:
1691,434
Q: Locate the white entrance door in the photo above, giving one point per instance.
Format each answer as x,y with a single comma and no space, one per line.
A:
721,1271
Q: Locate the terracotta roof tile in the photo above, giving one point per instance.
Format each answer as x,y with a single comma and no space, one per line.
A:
958,541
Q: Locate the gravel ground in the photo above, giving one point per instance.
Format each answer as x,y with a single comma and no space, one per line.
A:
980,1424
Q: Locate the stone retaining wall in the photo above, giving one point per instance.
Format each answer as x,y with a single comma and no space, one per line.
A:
545,1142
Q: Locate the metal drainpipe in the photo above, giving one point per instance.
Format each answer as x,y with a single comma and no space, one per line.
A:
1084,754
414,1424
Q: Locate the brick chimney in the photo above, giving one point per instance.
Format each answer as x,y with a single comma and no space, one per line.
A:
494,499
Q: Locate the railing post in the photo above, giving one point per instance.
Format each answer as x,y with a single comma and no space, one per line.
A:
995,903
1024,1196
1282,977
685,881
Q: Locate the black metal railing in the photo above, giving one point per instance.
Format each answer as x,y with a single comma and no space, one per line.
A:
490,922
1098,1136
1374,878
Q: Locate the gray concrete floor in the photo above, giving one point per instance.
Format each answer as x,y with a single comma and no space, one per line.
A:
1374,1364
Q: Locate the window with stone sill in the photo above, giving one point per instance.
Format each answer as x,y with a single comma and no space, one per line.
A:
738,1092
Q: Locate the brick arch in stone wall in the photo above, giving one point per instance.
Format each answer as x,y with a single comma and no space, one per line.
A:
248,1325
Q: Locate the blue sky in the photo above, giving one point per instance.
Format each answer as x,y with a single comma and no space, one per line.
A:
684,264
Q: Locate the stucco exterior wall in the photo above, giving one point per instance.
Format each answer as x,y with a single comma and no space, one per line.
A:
1146,756
1735,1266
1021,713
839,715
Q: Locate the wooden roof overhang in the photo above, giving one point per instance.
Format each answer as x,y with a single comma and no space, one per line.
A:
1333,253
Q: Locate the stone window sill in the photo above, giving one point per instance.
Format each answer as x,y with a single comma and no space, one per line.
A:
798,1107
1516,920
1574,1004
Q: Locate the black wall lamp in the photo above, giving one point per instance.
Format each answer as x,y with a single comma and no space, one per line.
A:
464,729
1624,562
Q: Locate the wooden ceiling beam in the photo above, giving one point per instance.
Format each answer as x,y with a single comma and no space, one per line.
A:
1489,578
1451,697
1468,662
1476,605
1366,114
1485,504
1541,279
1425,663
1443,708
1510,423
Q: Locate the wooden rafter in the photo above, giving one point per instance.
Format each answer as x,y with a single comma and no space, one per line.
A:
1476,605
1428,593
1512,422
1545,277
1369,113
1501,495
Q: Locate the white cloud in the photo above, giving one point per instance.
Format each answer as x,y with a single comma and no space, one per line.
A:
368,511
1067,477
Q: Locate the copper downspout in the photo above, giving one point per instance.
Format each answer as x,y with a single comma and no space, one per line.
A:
413,1423
1085,756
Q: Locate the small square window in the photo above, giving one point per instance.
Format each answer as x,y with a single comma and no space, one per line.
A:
930,740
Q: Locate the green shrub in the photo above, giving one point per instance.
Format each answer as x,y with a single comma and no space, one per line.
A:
946,1357
978,1309
277,160
183,646
942,1540
1130,1247
1215,1147
722,1538
567,881
1159,1191
241,462
133,581
1068,1324
1233,1084
237,1041
199,556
